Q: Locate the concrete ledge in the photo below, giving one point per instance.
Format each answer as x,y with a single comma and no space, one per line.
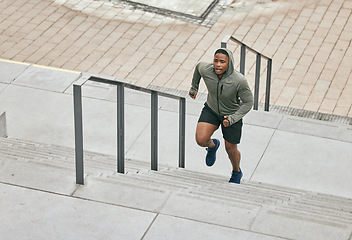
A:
10,70
3,128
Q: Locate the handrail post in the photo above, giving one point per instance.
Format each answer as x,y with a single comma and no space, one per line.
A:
268,83
154,130
243,59
257,80
77,106
120,128
182,132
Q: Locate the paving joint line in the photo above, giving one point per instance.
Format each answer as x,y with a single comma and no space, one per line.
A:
261,157
149,227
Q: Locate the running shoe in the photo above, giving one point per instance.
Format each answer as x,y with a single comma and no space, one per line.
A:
211,155
236,177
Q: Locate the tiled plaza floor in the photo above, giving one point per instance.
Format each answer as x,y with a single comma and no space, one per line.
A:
309,42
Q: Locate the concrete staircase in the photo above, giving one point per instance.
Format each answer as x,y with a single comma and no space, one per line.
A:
251,206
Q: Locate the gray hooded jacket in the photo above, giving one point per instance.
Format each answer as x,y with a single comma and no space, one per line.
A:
224,94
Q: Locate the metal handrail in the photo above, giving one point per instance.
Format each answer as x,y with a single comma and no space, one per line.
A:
77,99
244,47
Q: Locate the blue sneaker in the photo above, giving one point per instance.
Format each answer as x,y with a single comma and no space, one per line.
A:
211,155
236,177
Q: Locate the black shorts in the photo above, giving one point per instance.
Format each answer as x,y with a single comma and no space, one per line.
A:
232,133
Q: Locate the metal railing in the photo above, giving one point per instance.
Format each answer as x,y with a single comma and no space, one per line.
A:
77,99
259,56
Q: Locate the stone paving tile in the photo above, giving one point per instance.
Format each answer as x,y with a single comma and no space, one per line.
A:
309,41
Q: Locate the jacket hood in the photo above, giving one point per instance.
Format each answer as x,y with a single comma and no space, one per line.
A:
230,67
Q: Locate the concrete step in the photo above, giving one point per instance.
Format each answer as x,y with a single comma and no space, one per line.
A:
251,195
63,157
170,176
178,192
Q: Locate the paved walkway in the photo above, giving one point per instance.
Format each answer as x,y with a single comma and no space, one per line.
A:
309,41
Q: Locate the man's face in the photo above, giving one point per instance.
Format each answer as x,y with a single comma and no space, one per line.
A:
221,62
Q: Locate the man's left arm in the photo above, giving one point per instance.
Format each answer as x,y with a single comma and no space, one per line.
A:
246,96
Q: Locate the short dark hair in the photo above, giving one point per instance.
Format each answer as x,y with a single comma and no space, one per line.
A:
221,51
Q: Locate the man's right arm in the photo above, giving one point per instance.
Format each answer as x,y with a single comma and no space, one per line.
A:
195,82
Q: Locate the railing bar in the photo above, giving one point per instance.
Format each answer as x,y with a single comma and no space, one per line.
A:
169,96
154,130
256,84
268,84
77,106
224,41
265,57
235,40
182,132
131,86
120,128
248,48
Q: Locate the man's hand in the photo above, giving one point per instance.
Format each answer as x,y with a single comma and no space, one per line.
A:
226,122
193,96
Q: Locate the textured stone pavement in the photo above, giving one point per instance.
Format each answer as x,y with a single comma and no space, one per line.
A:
309,41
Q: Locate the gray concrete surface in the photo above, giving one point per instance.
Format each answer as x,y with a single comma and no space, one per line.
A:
3,127
182,202
278,150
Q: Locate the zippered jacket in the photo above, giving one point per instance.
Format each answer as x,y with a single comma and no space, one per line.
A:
226,94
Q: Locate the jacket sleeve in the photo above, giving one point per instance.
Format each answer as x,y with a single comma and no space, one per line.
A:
246,96
195,80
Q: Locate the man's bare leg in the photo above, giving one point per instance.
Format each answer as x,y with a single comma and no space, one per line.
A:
234,155
204,132
203,137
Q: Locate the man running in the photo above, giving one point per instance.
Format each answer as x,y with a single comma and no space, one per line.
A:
229,99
